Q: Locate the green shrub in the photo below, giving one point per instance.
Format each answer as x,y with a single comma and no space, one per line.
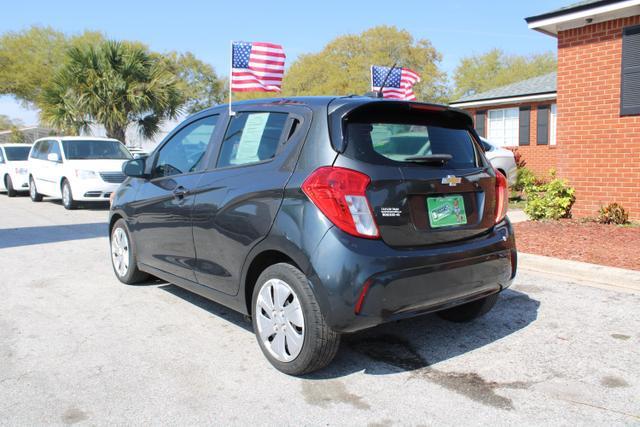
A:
613,213
550,200
524,179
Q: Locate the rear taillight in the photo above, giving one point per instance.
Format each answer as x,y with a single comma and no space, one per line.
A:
339,193
502,196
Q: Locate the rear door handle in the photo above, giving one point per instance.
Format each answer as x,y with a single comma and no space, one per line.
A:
180,192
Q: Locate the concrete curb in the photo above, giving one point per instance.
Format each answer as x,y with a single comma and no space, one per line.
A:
594,275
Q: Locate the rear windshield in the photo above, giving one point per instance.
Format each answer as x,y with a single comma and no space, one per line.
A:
16,154
380,142
93,150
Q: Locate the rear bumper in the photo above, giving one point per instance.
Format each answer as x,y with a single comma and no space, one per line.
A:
399,283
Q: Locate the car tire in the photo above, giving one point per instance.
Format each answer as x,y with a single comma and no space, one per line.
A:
469,311
33,191
123,257
67,196
309,344
8,184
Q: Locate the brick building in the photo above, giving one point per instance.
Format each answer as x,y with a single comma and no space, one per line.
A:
597,142
521,115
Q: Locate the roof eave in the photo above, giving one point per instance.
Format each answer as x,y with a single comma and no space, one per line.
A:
520,99
583,15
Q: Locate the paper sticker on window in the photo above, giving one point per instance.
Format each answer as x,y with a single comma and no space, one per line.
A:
247,151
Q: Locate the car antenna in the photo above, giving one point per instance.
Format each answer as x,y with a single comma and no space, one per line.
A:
378,94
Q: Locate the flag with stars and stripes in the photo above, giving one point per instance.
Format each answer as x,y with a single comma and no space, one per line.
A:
399,84
256,67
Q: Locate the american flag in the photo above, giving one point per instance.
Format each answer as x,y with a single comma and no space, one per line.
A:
256,67
399,84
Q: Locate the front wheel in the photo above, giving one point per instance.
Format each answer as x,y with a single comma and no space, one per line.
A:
11,192
123,257
33,191
288,323
469,311
67,196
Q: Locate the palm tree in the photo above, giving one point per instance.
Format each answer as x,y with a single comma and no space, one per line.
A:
114,84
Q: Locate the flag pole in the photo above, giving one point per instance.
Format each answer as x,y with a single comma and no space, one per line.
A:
231,113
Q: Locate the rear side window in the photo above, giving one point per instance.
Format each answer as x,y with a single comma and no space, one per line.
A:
17,153
251,138
379,142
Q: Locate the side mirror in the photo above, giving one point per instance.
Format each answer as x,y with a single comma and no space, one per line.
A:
53,157
134,168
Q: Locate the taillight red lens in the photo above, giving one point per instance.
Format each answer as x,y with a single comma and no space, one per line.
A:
502,196
340,194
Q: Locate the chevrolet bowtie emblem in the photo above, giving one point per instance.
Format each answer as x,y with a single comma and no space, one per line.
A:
451,180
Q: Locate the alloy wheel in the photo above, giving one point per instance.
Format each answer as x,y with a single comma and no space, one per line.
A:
280,320
120,251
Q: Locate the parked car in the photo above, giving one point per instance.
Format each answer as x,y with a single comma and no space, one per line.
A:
76,169
502,159
319,216
13,168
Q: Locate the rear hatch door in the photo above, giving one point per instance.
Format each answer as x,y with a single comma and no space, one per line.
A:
430,183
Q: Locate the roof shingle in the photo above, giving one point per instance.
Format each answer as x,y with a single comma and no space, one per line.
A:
533,86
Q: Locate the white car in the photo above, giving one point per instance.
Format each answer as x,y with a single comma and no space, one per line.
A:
76,169
502,159
13,168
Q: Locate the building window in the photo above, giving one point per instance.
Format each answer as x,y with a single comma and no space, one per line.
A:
504,127
553,117
630,88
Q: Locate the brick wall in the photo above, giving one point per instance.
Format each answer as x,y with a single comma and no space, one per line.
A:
598,151
540,158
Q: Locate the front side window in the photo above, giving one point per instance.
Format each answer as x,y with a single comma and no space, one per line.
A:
1,156
251,138
503,127
185,151
17,154
54,148
95,150
43,150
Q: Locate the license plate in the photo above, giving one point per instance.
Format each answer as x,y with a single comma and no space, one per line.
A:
446,211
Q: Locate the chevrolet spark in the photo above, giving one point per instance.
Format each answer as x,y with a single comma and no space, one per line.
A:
319,216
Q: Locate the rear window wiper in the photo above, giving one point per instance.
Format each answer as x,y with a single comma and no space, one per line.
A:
431,158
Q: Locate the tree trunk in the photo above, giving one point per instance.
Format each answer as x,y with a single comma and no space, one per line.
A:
117,133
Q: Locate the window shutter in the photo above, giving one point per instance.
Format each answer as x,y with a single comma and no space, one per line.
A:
630,88
524,120
543,125
481,117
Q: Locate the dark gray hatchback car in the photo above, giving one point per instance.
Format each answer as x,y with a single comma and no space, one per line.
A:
318,217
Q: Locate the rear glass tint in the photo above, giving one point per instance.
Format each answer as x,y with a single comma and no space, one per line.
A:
379,142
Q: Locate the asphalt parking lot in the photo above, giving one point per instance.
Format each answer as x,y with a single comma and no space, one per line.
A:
77,346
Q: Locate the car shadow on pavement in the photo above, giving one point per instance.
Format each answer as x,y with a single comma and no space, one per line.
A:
420,342
26,236
89,206
405,345
210,306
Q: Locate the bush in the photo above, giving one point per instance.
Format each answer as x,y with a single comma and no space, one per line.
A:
613,213
525,179
550,200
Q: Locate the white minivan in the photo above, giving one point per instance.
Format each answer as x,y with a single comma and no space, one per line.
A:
76,169
13,168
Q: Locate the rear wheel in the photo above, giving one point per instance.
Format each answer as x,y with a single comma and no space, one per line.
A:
123,257
67,196
288,323
33,191
469,311
8,184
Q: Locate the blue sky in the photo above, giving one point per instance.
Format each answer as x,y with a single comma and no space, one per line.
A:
456,28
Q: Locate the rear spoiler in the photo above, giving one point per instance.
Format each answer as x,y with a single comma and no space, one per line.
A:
341,108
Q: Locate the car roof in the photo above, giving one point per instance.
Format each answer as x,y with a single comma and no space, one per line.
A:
318,102
77,138
13,144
